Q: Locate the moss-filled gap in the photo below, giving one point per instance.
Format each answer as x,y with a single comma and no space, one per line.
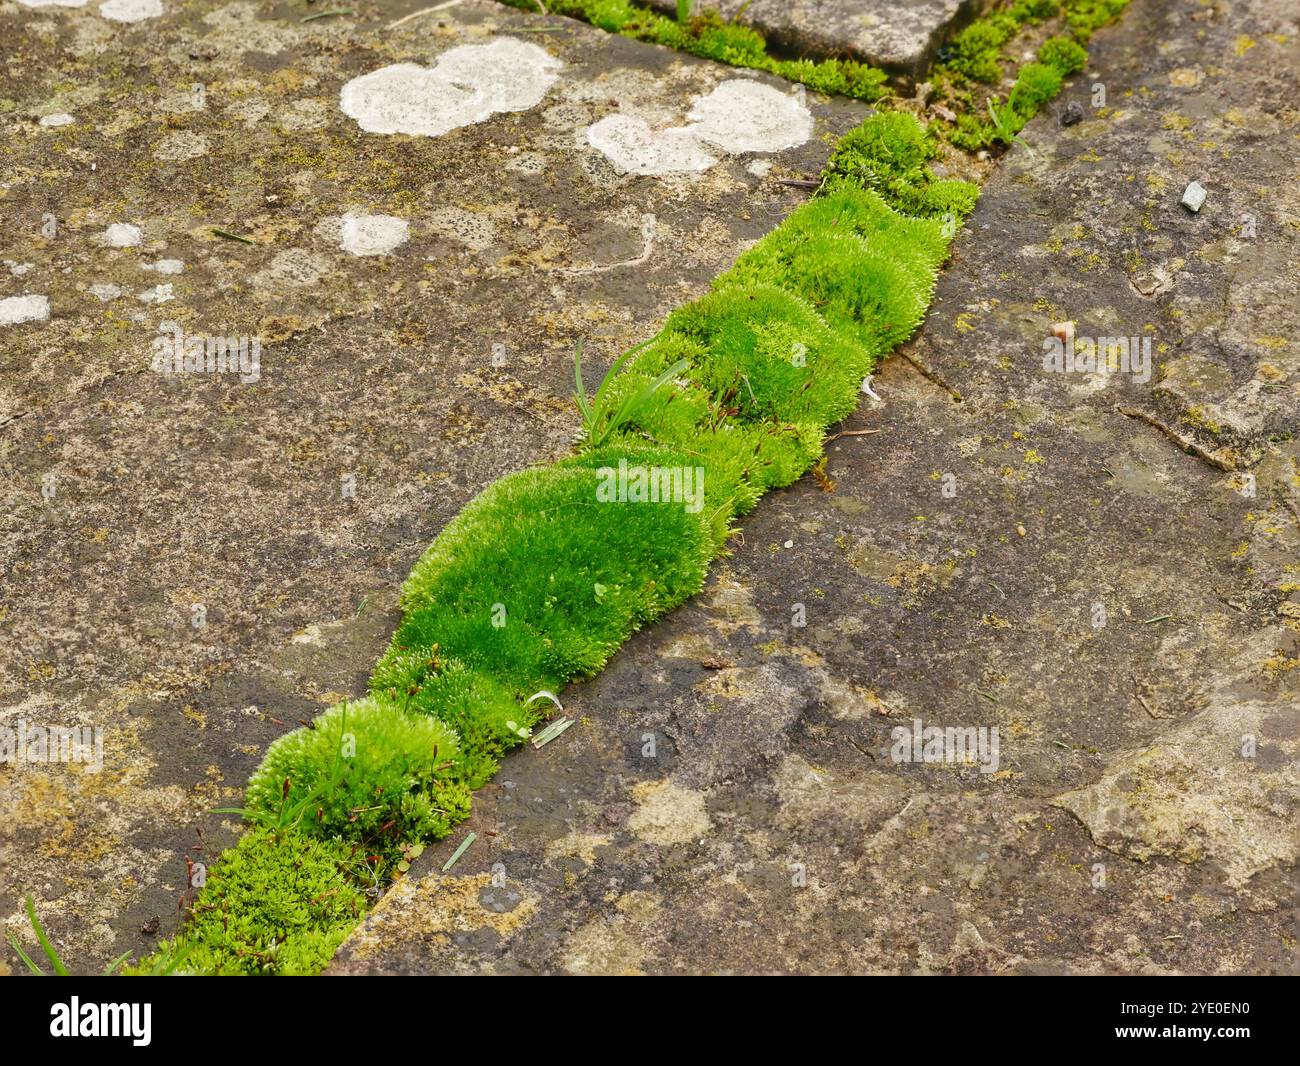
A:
541,578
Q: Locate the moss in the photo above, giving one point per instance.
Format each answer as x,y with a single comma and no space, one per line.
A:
1067,56
862,291
769,356
510,585
278,902
976,53
976,56
541,578
889,154
1036,84
368,772
1085,17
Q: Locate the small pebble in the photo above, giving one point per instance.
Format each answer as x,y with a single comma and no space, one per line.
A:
1073,113
123,235
789,544
1194,196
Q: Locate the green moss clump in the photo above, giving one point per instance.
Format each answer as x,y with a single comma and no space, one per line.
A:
1067,56
1085,17
889,154
770,357
278,902
486,715
365,771
537,581
1034,10
1036,84
976,53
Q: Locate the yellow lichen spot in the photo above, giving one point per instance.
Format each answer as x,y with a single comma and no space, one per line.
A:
1242,45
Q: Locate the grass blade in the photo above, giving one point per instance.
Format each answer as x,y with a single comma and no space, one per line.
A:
44,940
13,943
455,855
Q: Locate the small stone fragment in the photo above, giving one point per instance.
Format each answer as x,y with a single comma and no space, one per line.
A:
123,235
15,310
1194,196
1072,114
103,291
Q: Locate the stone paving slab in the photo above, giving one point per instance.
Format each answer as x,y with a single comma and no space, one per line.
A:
290,507
729,801
902,36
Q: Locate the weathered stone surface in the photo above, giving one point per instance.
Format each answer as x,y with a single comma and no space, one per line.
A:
1195,795
902,36
817,852
377,374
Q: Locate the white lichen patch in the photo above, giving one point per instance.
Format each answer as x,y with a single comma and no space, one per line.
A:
634,148
466,85
123,235
748,116
131,10
372,234
104,291
55,121
738,116
53,3
159,294
15,310
165,266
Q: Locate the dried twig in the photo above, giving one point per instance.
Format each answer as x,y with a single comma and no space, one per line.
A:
425,11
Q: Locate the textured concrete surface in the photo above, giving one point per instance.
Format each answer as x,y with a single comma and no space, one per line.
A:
1104,568
902,36
391,387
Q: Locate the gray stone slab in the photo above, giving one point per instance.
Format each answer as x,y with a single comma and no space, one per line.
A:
900,35
167,491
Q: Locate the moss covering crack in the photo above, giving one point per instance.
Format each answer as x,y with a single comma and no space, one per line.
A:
708,35
544,575
963,85
971,70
